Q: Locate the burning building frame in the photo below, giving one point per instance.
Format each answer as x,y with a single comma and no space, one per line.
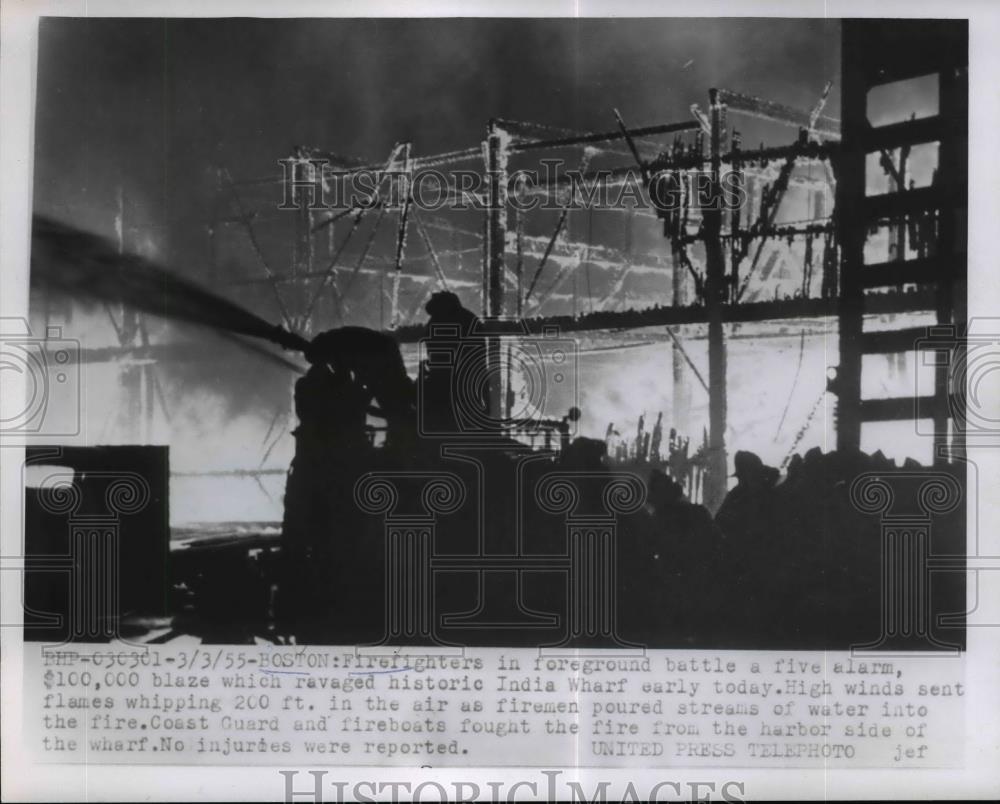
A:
682,229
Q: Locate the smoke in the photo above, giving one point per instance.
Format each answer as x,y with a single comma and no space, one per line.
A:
218,402
154,106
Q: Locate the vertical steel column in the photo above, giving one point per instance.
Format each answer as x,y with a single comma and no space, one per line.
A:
496,177
715,283
681,391
302,254
850,172
681,388
952,291
735,222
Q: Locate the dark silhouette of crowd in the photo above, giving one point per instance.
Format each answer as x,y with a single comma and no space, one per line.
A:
786,561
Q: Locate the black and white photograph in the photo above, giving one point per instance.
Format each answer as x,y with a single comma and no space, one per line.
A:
615,383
